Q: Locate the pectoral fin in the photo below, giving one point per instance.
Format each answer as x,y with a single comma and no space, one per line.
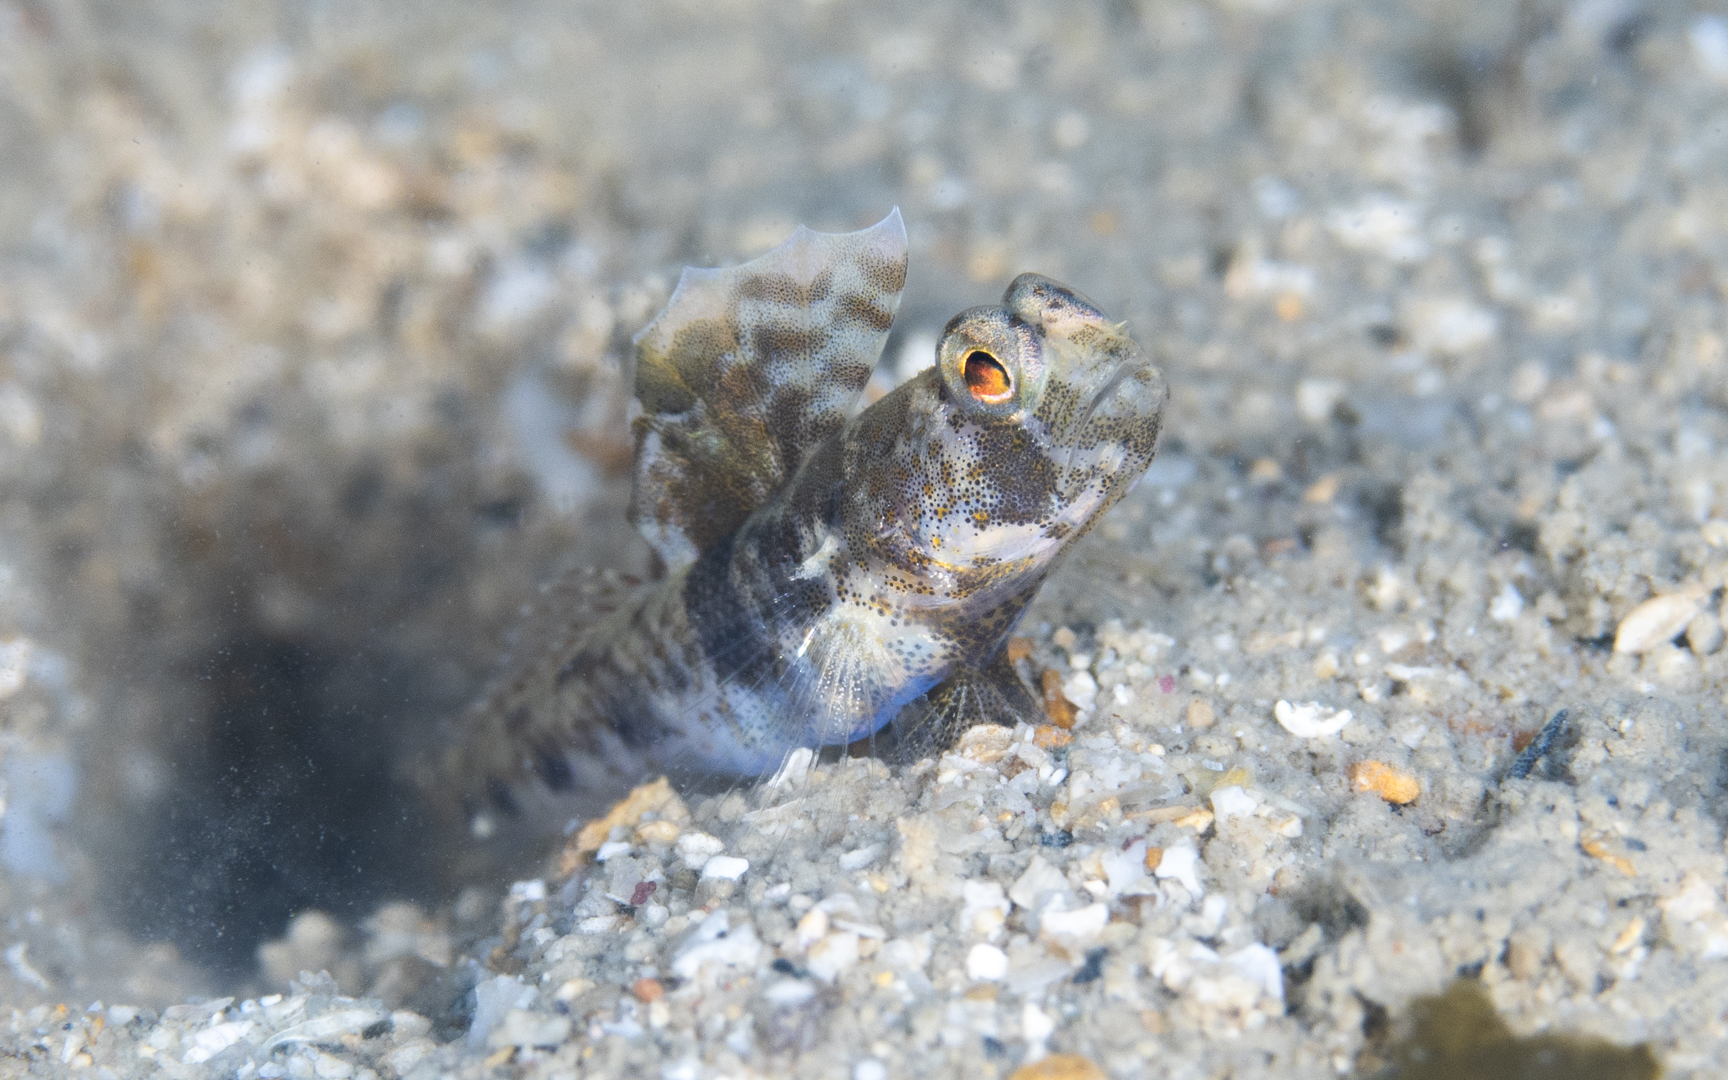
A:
992,694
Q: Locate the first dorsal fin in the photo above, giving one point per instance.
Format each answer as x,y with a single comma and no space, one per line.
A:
747,369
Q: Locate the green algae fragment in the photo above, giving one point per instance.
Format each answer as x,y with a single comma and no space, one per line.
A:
1458,1036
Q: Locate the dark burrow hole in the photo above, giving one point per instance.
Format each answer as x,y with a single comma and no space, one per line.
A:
284,796
308,638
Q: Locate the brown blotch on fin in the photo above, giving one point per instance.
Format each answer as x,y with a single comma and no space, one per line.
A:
747,369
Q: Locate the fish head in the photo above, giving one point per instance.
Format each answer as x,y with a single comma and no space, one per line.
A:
1039,415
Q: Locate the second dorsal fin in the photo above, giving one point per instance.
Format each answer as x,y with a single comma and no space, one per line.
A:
749,367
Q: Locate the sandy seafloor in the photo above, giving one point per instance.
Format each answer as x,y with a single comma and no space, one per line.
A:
310,324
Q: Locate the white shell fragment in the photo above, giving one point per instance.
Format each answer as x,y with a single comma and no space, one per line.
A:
1656,620
1259,964
986,963
1311,720
1179,863
716,943
859,858
1508,605
725,867
986,908
794,769
211,1041
327,1028
831,956
1232,801
1082,925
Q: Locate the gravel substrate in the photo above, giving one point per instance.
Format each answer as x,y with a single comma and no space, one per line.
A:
310,327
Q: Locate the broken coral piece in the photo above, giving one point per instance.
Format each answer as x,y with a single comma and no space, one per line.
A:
1387,781
1059,1067
655,797
1061,711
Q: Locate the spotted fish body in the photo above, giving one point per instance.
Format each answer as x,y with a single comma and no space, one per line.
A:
827,575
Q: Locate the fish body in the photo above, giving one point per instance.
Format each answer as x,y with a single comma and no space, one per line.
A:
828,575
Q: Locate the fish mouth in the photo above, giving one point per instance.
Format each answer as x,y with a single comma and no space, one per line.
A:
1127,369
1122,372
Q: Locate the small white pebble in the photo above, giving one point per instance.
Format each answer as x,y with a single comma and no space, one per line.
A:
1392,639
1508,605
832,955
1655,621
788,992
725,867
1081,689
1260,964
612,848
859,859
696,848
985,908
986,963
1082,925
1310,721
813,927
1232,801
1034,1025
869,1069
1317,398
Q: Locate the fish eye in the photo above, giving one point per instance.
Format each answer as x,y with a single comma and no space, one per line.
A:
986,377
988,361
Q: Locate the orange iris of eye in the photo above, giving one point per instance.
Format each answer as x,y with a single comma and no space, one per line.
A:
986,377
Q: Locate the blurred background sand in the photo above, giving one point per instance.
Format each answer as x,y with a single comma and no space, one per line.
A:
312,316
